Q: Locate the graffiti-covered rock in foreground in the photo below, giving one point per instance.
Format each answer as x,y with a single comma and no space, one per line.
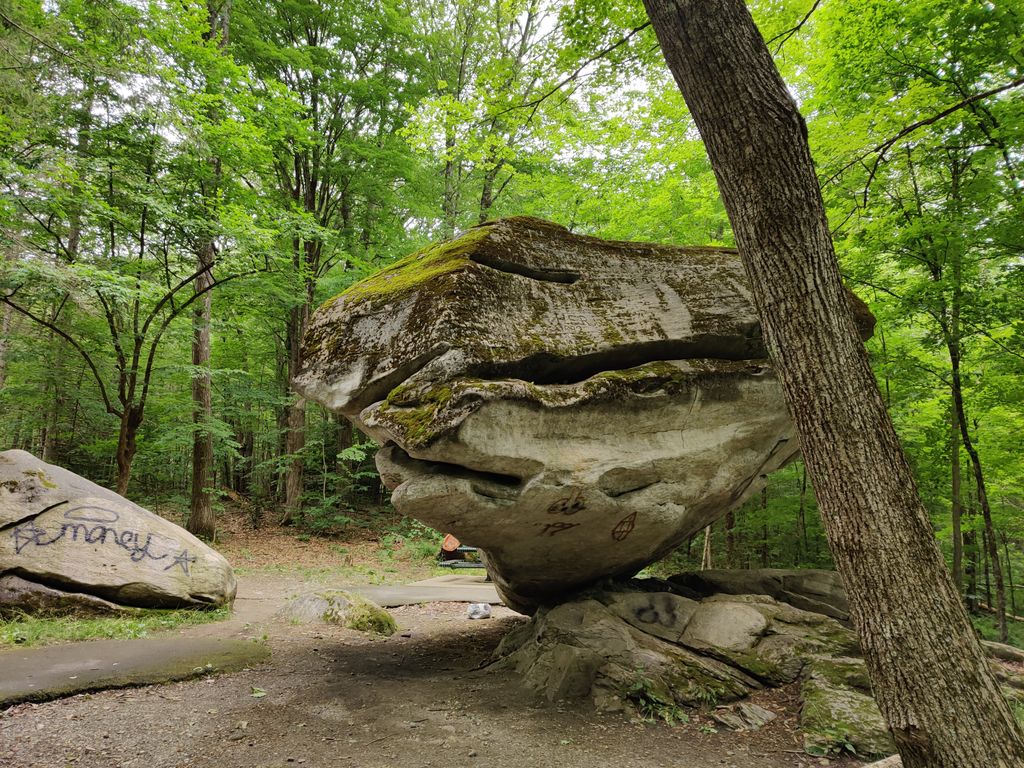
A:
65,533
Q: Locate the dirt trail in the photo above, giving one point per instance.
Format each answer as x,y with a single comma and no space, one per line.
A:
334,697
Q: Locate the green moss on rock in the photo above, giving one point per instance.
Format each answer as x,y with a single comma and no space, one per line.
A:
838,718
426,264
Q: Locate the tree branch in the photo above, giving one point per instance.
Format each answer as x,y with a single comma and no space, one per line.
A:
576,72
170,318
792,31
81,350
880,149
169,296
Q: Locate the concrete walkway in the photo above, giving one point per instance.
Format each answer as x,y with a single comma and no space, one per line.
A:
41,674
453,588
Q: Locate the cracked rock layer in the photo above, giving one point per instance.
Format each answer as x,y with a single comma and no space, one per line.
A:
575,407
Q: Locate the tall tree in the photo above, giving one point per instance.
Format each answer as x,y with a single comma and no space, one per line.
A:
201,519
349,72
902,601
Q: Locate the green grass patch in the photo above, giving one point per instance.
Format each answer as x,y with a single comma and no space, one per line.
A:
986,626
24,630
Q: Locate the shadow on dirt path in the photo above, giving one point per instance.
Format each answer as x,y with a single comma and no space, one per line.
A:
334,697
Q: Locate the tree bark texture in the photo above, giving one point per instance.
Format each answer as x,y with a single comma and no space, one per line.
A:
929,674
201,519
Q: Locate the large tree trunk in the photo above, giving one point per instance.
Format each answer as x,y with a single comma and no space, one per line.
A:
920,648
201,519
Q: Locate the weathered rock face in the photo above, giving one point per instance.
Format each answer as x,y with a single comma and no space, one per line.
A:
572,406
656,651
66,539
338,606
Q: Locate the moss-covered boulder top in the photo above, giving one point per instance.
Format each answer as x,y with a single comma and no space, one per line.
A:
575,407
527,298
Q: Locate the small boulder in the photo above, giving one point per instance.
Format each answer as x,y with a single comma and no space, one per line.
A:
337,606
70,535
18,595
727,625
838,715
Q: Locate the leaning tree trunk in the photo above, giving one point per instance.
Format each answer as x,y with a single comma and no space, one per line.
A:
929,674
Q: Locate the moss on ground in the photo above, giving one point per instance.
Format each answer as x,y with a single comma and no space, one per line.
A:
355,612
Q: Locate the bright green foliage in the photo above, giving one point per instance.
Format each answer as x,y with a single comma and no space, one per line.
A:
341,136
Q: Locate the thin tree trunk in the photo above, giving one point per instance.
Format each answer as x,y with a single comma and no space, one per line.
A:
706,562
295,434
127,436
958,541
804,551
991,546
201,520
6,323
971,550
487,189
984,564
1009,574
730,539
450,203
903,603
764,527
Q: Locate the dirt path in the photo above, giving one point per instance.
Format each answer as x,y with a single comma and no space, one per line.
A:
334,697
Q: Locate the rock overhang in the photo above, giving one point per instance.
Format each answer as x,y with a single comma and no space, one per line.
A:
529,384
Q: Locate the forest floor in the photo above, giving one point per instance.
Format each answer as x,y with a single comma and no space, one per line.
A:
336,697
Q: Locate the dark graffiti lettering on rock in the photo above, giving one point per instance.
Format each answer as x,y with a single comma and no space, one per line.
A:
97,525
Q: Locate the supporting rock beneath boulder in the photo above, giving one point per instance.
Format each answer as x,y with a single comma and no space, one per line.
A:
654,652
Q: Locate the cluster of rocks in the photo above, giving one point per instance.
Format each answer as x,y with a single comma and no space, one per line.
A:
652,646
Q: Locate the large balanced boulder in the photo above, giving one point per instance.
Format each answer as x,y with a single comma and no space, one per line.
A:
575,407
68,542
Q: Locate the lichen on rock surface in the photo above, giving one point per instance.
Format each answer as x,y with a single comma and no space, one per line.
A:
341,607
642,648
575,407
